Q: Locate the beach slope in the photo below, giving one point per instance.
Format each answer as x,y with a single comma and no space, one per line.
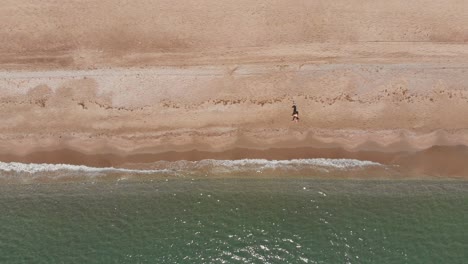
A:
150,79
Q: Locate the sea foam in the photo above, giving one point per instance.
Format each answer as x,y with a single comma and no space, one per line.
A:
193,165
36,168
320,162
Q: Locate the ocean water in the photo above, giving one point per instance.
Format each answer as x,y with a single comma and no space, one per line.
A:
201,218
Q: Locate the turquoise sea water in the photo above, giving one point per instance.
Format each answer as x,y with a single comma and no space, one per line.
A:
235,220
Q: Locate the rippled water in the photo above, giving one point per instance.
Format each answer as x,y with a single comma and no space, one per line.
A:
276,220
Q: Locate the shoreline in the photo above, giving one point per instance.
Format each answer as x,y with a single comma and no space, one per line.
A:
437,161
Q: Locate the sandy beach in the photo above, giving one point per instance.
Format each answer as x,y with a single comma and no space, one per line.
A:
104,83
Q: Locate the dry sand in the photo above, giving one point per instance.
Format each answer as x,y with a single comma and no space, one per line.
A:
378,80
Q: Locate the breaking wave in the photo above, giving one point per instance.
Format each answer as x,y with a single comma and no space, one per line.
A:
36,168
183,165
263,163
14,171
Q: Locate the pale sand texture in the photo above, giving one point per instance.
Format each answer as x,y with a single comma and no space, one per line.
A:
156,76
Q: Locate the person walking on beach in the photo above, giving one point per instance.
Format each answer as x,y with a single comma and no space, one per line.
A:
295,113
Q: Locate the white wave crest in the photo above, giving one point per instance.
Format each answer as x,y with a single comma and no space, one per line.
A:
183,165
246,165
272,164
37,168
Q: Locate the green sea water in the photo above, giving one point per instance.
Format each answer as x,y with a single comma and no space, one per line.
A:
278,220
